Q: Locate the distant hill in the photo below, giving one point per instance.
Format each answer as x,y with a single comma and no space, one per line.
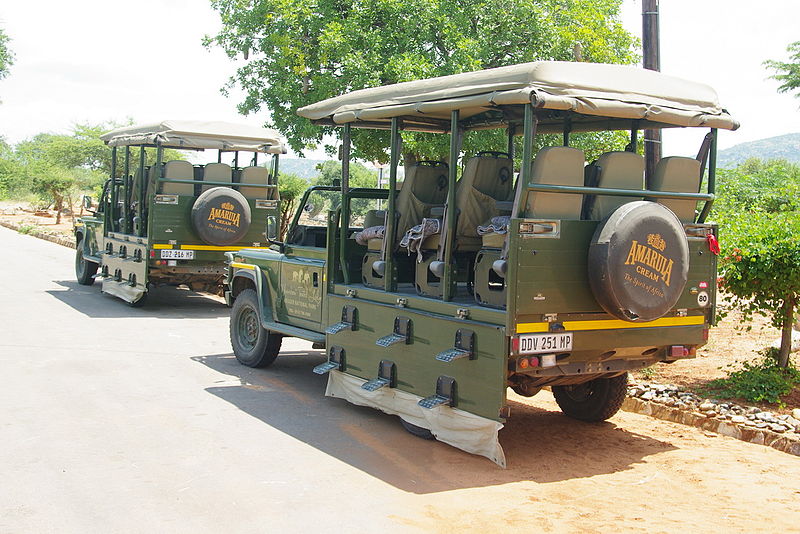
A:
780,147
304,168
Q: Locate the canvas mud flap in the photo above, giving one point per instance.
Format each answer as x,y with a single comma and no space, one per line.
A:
466,431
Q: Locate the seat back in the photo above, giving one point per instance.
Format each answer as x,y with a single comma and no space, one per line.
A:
557,165
678,175
486,180
617,170
255,175
216,172
176,170
424,186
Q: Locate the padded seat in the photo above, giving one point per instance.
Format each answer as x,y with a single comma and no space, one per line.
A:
255,175
216,172
556,165
486,181
616,170
176,170
678,175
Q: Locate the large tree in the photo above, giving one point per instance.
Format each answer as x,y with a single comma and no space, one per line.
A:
297,52
788,73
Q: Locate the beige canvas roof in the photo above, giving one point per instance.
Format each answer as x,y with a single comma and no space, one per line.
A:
199,134
595,97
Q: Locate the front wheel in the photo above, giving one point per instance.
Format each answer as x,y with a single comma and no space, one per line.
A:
252,345
84,269
592,401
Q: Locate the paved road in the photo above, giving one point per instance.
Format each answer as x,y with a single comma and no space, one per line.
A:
115,419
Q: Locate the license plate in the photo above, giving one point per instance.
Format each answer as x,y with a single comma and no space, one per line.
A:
540,343
169,254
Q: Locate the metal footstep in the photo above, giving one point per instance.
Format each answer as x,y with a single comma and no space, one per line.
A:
445,393
335,361
387,376
401,334
464,347
348,322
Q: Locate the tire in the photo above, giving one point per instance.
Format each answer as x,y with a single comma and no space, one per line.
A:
639,262
418,431
593,401
84,269
221,216
252,345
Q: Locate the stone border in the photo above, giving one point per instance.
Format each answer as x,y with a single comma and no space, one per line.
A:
758,436
59,239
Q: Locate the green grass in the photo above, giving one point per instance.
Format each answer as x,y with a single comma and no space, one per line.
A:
755,381
27,228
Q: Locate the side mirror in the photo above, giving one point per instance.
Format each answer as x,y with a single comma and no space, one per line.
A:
272,228
272,235
87,202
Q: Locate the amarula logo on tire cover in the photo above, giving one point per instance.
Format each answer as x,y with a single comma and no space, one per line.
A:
639,261
221,216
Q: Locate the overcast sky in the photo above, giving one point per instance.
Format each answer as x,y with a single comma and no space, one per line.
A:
99,60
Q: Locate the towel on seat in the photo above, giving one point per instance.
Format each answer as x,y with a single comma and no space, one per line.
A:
414,237
498,225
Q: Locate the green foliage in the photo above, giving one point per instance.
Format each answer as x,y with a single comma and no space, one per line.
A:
761,267
360,176
757,186
297,52
6,56
26,229
758,381
291,188
788,73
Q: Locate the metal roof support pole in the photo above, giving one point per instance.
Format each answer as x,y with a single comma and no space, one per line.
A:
142,191
113,184
634,144
712,176
449,276
275,169
344,221
389,239
126,203
512,131
567,130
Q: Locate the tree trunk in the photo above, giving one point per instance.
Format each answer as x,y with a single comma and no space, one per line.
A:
786,334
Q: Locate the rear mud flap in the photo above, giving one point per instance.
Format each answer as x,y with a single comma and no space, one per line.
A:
123,290
463,430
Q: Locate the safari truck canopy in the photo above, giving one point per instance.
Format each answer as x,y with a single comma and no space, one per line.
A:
604,96
198,135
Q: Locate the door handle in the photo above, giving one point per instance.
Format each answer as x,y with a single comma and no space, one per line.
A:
315,279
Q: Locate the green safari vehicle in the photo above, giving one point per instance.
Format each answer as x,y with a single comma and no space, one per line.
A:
171,222
475,278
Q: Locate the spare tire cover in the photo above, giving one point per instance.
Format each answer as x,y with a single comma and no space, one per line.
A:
639,261
221,216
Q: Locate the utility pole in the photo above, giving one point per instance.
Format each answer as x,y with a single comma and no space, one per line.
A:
651,61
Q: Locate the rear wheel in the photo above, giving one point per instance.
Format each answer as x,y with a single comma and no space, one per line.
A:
418,431
592,401
84,269
252,345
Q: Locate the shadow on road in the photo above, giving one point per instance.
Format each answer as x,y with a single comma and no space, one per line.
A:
168,302
540,445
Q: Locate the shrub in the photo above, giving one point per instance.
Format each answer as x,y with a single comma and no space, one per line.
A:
757,381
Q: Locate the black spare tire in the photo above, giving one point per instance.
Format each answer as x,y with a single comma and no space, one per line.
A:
221,216
639,261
